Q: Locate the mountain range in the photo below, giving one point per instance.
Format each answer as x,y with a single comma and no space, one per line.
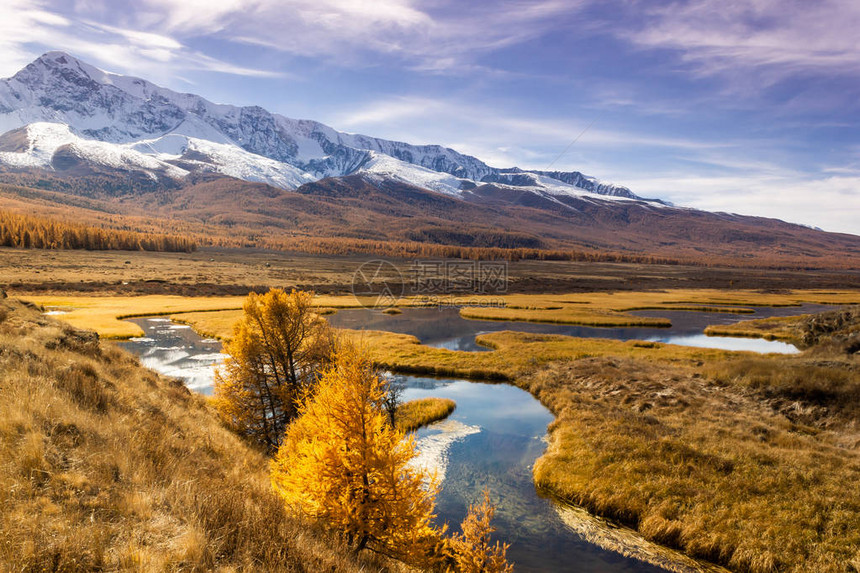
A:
134,148
61,113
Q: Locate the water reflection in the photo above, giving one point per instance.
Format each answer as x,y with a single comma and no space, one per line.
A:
444,327
491,441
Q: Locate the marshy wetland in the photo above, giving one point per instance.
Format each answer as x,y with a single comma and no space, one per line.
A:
697,449
491,440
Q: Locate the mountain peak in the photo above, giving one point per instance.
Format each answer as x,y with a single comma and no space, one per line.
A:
57,57
60,64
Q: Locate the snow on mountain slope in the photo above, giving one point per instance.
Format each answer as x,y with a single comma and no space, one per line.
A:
246,142
44,140
226,159
389,167
382,165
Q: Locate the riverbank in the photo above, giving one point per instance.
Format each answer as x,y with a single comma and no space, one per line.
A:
615,308
746,461
743,460
421,412
754,482
773,328
215,315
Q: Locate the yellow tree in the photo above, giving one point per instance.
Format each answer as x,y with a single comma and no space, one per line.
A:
471,550
343,463
276,350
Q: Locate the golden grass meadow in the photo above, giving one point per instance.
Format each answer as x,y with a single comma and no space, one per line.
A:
104,314
748,461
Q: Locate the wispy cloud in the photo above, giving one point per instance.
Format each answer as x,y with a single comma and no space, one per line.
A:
28,27
492,123
440,36
776,37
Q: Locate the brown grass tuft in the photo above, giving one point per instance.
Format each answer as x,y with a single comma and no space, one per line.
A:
417,413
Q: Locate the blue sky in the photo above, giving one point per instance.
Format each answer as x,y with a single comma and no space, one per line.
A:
742,106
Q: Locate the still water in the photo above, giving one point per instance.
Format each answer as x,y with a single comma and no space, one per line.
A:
491,441
443,327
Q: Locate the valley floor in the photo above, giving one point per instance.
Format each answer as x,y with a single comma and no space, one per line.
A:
210,272
747,461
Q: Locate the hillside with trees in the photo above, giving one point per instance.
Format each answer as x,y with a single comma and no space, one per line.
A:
32,232
108,466
348,215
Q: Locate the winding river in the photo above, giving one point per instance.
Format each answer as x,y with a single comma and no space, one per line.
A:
494,436
445,328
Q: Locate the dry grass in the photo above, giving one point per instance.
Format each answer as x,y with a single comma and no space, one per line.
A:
415,414
106,466
835,332
104,314
145,270
804,390
708,469
215,271
564,315
611,309
744,460
516,353
218,324
773,328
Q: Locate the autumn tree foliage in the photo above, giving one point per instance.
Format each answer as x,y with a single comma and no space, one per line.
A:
471,549
344,464
276,351
30,232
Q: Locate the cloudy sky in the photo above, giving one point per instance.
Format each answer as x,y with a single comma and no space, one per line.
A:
749,106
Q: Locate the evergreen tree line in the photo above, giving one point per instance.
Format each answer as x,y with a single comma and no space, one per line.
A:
31,232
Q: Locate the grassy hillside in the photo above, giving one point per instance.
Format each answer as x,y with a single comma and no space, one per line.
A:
347,215
105,465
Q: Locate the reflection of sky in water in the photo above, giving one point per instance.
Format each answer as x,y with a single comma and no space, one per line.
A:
176,350
434,445
727,343
444,328
491,440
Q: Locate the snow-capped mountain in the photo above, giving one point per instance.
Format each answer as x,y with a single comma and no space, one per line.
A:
59,111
